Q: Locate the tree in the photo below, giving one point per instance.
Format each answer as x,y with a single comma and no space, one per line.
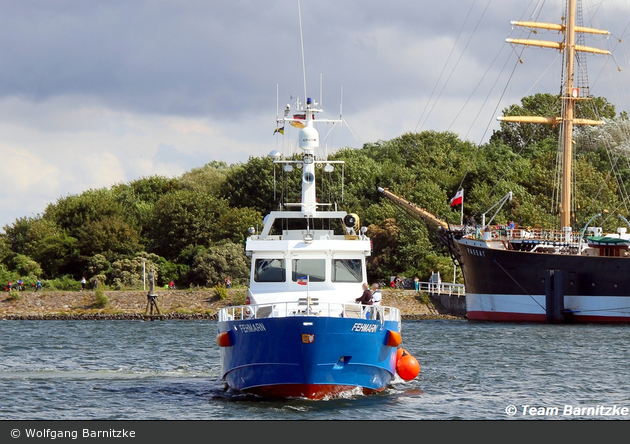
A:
73,212
233,223
110,236
184,218
25,266
58,255
251,185
218,262
134,272
208,179
384,237
138,198
521,135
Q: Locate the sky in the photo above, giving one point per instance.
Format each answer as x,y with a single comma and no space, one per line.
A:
98,93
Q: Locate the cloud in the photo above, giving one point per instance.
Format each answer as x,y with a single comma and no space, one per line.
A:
95,93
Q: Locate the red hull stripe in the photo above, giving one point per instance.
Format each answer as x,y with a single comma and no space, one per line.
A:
309,391
531,317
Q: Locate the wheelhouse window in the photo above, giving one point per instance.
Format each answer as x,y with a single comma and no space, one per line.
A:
315,269
269,270
347,270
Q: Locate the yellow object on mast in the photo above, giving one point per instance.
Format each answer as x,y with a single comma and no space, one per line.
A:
569,96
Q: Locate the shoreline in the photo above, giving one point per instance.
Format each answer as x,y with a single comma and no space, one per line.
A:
173,304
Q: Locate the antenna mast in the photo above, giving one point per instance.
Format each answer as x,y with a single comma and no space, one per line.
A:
302,44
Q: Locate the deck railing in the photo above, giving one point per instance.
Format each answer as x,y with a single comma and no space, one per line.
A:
503,232
317,309
443,288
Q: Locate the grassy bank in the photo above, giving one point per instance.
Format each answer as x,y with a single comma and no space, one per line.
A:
173,304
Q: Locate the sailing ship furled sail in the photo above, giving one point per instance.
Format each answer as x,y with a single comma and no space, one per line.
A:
545,275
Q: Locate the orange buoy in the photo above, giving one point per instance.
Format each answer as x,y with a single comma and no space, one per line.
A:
223,339
407,366
394,339
399,353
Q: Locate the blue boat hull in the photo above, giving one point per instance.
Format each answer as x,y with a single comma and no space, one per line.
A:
310,357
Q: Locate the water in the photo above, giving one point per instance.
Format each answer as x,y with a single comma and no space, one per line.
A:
133,370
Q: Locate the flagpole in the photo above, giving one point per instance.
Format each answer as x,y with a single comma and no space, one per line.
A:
308,296
462,209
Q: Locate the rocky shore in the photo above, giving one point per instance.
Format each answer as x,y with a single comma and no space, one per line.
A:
173,304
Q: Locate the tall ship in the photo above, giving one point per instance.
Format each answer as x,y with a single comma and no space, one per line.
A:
301,332
543,275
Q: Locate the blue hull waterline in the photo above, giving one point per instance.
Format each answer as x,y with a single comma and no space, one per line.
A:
308,356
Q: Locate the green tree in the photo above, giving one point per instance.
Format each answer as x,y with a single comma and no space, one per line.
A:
519,136
251,185
58,255
184,218
25,266
133,273
138,197
218,262
110,236
208,179
73,212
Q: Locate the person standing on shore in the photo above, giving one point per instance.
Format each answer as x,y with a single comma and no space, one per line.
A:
83,283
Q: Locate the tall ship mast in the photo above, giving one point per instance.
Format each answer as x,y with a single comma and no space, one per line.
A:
542,275
570,95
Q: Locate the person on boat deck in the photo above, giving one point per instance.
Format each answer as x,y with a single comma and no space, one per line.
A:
366,297
377,296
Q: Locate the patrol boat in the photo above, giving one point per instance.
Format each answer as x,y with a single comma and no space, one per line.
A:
300,333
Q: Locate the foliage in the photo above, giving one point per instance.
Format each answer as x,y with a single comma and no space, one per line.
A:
25,266
251,185
14,295
62,283
208,179
220,291
191,229
212,266
134,273
58,255
100,298
184,218
109,236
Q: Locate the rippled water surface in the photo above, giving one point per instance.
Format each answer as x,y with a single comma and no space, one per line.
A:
170,370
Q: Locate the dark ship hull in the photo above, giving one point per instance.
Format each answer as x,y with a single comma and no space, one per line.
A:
508,285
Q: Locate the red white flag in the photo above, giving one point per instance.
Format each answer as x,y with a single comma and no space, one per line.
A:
458,199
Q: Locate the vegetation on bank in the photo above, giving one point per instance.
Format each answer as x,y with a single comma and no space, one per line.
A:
191,229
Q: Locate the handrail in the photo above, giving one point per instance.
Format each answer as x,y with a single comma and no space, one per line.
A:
443,288
322,309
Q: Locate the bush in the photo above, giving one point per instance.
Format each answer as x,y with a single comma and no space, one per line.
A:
220,291
64,283
100,298
424,298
